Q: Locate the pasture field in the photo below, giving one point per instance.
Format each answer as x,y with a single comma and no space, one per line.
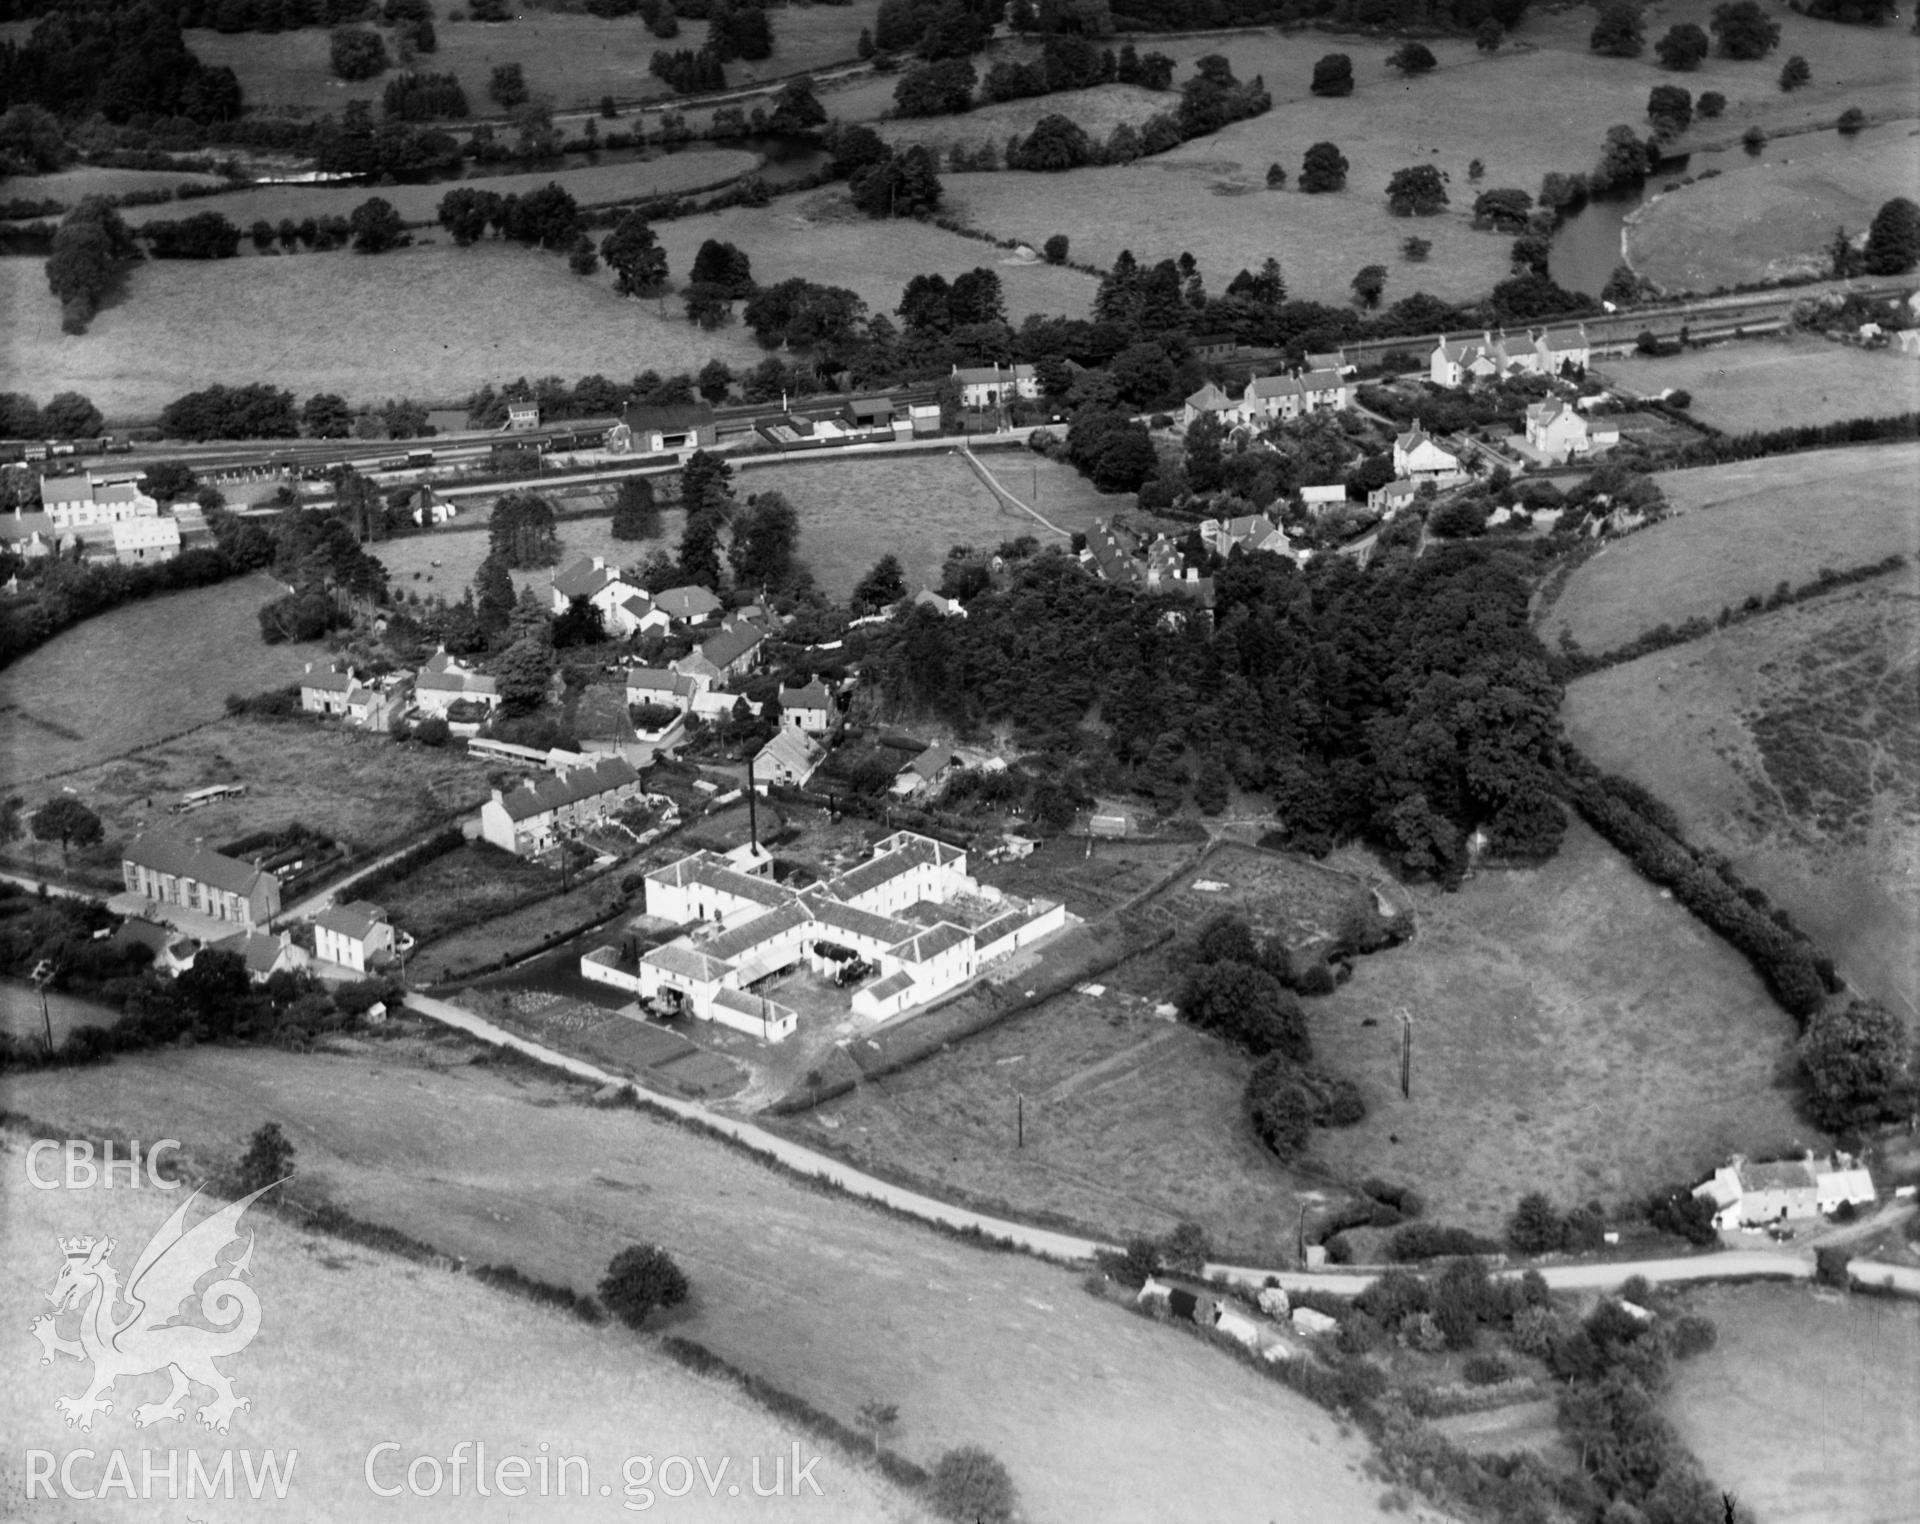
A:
70,185
357,1348
1089,883
1742,529
346,784
853,510
571,57
1840,1374
516,933
418,205
432,322
1792,745
1773,220
1099,110
1575,1032
821,237
1095,1412
20,1013
464,885
89,693
1777,383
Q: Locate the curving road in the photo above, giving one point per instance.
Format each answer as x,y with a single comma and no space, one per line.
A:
1737,1264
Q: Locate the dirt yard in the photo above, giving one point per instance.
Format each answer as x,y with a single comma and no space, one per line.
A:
1839,1374
1092,1410
1778,383
357,1349
1792,744
208,643
1741,530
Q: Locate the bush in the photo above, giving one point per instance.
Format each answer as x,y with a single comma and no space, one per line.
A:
639,1279
970,1486
1676,1210
1694,1335
1430,1240
1486,1370
357,53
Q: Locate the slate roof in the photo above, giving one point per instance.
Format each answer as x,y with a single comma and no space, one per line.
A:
814,695
931,761
259,951
654,680
670,419
328,680
355,920
1781,1175
538,796
688,962
583,579
892,985
930,944
706,868
726,648
686,603
164,854
742,939
986,375
1210,399
756,1006
600,714
854,921
877,870
793,750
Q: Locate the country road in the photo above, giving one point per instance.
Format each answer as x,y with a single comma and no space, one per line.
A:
1739,1264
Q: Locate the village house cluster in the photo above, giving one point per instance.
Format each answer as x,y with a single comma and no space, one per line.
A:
104,514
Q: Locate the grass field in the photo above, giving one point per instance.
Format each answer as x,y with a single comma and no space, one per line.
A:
356,1349
433,322
1772,220
353,787
418,205
571,57
1575,1032
1792,745
1839,1375
516,933
852,511
466,884
1095,1412
822,238
1778,383
69,185
20,1013
1745,529
90,693
1099,110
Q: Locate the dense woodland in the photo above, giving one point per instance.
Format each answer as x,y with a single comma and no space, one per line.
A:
1406,702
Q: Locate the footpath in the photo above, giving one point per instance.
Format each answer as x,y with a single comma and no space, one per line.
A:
1738,1264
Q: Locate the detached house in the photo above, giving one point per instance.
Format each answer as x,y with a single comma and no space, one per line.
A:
1417,458
445,680
170,872
324,689
809,707
687,605
1250,532
1744,1194
990,386
790,758
624,607
1558,431
734,652
1209,399
355,936
264,954
541,811
946,608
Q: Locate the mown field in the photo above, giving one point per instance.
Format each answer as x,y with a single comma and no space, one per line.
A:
1772,220
1575,1032
571,57
1744,529
1792,745
820,237
1777,383
357,1349
354,787
853,510
1095,1412
1807,1404
91,693
418,205
434,323
69,185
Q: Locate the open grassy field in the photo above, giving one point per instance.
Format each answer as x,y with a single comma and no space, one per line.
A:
852,511
1791,744
434,322
89,693
569,56
1809,1404
351,786
1096,1413
1099,110
515,933
20,1013
69,185
1775,219
462,886
1575,1032
357,1349
632,179
1777,383
822,238
1745,529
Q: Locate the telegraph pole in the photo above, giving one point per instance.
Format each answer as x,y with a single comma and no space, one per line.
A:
1019,1120
42,976
1406,1054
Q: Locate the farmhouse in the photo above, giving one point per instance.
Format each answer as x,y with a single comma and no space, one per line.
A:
624,606
170,872
809,707
355,936
540,811
1559,432
760,929
1745,1194
1250,532
790,758
990,386
1209,399
1417,458
324,689
445,680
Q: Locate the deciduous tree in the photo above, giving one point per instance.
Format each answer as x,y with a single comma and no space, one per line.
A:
642,1279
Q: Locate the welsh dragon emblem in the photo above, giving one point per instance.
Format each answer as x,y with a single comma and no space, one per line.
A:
150,1334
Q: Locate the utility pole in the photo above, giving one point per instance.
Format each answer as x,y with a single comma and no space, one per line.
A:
1019,1118
42,976
1406,1054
